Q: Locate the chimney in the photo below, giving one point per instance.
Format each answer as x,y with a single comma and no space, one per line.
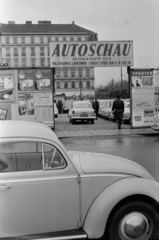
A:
44,22
11,22
73,22
28,22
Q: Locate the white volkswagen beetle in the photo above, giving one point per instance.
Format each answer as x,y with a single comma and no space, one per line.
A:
47,192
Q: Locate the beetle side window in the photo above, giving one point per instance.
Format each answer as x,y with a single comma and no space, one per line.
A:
52,158
20,156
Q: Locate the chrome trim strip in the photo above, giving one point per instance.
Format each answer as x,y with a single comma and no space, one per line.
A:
65,238
36,179
104,175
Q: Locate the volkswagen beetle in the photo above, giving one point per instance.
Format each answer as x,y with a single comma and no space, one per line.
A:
48,192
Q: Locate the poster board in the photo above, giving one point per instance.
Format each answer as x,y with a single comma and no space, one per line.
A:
144,96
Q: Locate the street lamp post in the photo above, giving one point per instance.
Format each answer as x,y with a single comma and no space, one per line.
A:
80,87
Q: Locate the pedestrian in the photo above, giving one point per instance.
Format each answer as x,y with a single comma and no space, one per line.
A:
96,107
118,110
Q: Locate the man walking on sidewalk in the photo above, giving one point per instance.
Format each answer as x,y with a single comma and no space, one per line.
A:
118,110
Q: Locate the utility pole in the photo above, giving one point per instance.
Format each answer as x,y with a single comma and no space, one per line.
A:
121,86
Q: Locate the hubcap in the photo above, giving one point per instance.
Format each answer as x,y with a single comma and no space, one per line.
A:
134,226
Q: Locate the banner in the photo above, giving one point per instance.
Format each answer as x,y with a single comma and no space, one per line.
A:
91,54
6,88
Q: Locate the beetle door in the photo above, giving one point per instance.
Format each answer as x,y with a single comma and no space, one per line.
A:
39,191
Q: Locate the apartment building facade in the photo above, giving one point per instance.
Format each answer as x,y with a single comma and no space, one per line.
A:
27,46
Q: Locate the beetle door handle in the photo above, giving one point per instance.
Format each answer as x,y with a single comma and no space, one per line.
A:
4,187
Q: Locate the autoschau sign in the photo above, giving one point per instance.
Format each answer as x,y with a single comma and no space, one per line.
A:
94,54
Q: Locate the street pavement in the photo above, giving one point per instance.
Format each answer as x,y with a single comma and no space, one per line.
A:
101,127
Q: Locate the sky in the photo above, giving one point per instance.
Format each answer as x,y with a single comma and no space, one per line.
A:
136,20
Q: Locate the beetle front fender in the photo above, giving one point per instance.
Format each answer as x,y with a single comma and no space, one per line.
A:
97,216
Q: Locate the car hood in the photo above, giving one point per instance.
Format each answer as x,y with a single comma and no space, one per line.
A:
91,163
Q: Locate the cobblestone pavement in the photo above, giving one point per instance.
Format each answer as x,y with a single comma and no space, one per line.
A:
62,124
101,127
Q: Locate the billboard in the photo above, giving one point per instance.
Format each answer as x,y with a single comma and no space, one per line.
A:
91,54
143,97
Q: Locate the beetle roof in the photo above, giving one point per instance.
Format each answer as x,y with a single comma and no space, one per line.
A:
13,128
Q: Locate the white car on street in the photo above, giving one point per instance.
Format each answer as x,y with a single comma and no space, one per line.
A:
48,192
81,110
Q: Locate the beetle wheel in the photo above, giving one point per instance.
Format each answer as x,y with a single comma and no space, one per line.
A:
134,220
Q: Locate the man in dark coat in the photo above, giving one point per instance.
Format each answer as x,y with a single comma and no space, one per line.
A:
96,107
118,110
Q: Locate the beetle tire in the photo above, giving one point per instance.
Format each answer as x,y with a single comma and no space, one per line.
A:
136,220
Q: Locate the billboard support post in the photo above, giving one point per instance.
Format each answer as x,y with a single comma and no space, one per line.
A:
53,92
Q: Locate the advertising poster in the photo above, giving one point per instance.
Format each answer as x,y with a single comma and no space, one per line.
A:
44,114
6,88
91,54
5,112
143,100
156,85
35,79
43,99
26,103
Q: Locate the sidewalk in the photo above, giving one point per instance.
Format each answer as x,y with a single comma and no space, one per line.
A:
113,132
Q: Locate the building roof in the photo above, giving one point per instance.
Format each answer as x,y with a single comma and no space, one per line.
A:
41,27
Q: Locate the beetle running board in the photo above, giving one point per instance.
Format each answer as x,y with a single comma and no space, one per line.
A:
74,234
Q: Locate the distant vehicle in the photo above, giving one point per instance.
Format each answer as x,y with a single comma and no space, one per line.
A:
48,192
155,124
66,106
106,110
81,110
56,112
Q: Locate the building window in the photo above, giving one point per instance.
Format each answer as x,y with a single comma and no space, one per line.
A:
64,39
65,84
58,84
7,52
42,51
72,74
87,73
80,84
16,62
32,51
33,62
41,40
73,84
49,39
79,39
7,40
71,39
32,40
23,62
58,73
80,72
23,52
88,85
48,51
15,52
42,61
23,40
65,74
15,40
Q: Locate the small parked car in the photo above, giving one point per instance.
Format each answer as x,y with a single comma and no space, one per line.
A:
81,110
48,192
66,106
155,124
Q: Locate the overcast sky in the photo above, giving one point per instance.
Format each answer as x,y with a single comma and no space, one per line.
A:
136,20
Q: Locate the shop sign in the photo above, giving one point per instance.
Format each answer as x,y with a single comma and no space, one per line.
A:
91,54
